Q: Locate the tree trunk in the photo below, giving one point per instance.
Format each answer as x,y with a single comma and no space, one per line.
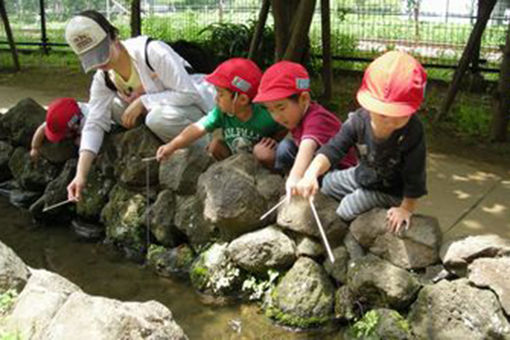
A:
283,13
327,73
300,27
501,114
136,21
467,56
259,29
8,32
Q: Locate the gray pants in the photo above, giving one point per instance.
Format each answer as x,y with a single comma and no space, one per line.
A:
354,200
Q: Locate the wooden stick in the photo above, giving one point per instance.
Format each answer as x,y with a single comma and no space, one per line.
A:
323,234
56,205
273,209
148,159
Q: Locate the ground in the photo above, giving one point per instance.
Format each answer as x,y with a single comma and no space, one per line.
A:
468,177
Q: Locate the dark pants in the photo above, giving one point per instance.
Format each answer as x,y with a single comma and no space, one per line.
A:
285,155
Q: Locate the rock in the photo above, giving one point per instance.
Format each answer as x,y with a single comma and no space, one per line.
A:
434,274
94,317
180,173
42,297
123,217
58,153
134,145
23,198
270,186
214,273
231,198
106,160
190,221
380,323
94,196
297,216
5,154
264,249
13,272
8,186
162,220
88,231
55,192
304,297
457,254
380,283
456,310
169,262
20,122
338,269
493,273
353,247
31,176
345,304
307,246
415,248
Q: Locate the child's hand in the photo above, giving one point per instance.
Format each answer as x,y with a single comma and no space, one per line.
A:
164,152
35,153
265,151
398,218
308,186
291,186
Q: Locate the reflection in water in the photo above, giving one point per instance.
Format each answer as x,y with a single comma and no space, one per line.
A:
98,270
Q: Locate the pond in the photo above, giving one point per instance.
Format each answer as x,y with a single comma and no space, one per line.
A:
100,270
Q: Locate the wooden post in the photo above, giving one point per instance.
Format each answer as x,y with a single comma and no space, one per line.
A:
10,38
467,56
259,29
299,33
327,72
475,61
44,38
136,21
501,114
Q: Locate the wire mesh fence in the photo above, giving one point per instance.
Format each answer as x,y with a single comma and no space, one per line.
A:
435,31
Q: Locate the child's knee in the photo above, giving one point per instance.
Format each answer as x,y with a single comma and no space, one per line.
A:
218,149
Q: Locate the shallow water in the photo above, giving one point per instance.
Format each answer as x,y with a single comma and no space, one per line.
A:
98,270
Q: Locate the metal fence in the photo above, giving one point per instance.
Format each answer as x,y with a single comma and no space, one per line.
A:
435,31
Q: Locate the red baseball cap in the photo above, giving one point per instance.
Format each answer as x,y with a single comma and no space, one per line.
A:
282,80
393,85
237,75
62,114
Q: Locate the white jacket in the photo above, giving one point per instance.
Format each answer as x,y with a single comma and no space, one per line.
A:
169,84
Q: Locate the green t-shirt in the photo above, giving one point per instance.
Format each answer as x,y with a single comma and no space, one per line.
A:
240,135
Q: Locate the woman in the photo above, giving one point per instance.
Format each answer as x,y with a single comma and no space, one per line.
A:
141,76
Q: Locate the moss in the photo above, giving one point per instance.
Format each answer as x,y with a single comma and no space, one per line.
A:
400,322
198,276
294,320
366,326
7,299
185,257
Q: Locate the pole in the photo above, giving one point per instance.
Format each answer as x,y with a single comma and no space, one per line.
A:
327,72
257,34
10,38
44,38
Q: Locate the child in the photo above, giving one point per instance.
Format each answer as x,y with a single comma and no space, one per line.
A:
285,91
245,125
64,120
390,143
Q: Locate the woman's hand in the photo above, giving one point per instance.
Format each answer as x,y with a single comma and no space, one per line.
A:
132,112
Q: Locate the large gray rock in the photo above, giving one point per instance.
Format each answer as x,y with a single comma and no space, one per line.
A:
31,176
214,273
134,145
353,247
6,151
180,173
380,283
55,192
232,201
123,217
20,122
381,323
309,246
263,249
457,254
37,304
189,219
338,269
94,196
169,262
60,152
162,219
13,272
493,273
304,297
297,216
417,247
93,317
456,310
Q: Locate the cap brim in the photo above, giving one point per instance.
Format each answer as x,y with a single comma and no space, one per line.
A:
97,56
388,109
216,80
53,137
276,94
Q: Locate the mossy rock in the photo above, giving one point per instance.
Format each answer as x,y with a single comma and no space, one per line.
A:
19,123
380,324
94,196
169,262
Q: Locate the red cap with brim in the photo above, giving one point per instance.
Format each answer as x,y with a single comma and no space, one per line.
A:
283,80
60,112
237,75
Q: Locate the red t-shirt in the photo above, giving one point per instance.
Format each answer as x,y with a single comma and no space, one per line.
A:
321,125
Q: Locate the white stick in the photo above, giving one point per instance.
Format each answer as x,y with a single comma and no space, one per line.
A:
323,234
273,208
148,159
56,205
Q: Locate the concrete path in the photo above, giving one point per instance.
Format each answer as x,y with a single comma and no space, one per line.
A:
465,199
